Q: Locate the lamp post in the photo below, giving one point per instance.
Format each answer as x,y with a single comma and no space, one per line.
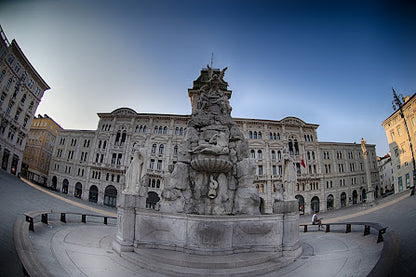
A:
399,102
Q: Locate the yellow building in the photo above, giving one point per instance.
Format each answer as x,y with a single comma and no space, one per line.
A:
396,126
39,147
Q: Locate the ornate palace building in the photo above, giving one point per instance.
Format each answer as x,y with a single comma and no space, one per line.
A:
21,89
91,164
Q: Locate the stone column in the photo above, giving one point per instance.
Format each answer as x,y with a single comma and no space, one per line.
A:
370,189
290,243
125,223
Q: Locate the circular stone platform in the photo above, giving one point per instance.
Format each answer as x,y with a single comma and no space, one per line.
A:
75,249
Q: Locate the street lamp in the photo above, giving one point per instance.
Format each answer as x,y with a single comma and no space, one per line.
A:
398,102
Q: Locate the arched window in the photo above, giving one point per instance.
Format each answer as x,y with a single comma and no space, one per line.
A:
259,155
117,137
54,182
250,134
330,202
9,83
2,74
65,184
290,147
154,146
260,136
354,197
255,135
315,204
301,203
296,147
165,130
175,150
271,136
123,138
160,130
110,196
252,154
177,131
93,194
156,129
273,155
144,129
343,199
279,155
161,149
78,190
158,184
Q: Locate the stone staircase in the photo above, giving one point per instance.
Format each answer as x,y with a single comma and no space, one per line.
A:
173,263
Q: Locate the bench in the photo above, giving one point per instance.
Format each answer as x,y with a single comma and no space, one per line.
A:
31,217
367,226
305,226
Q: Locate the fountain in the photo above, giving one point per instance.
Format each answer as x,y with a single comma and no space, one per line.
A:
209,205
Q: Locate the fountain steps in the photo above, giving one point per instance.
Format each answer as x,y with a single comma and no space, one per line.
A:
173,263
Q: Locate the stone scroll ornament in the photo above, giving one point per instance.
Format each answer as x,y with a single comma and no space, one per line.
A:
214,175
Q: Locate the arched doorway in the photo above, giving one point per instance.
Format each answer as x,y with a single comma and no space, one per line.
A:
93,194
354,197
261,207
78,190
315,204
343,199
330,202
110,196
301,203
54,182
152,199
65,184
364,195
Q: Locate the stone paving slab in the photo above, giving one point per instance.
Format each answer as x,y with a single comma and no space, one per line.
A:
78,249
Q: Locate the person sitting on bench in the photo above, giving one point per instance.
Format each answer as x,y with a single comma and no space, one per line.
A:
317,220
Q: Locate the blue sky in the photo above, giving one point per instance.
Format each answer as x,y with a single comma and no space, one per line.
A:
331,63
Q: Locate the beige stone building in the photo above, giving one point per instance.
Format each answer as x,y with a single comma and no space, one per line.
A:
385,169
399,143
39,147
21,89
92,164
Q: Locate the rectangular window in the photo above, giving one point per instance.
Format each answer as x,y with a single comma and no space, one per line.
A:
260,168
407,180
400,183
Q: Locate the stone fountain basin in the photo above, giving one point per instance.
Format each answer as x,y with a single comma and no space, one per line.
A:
209,235
211,165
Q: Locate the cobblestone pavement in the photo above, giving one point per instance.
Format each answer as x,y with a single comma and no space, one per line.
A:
398,212
16,198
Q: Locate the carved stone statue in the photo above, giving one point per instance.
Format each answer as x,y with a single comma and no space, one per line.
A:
289,176
364,147
218,145
134,173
